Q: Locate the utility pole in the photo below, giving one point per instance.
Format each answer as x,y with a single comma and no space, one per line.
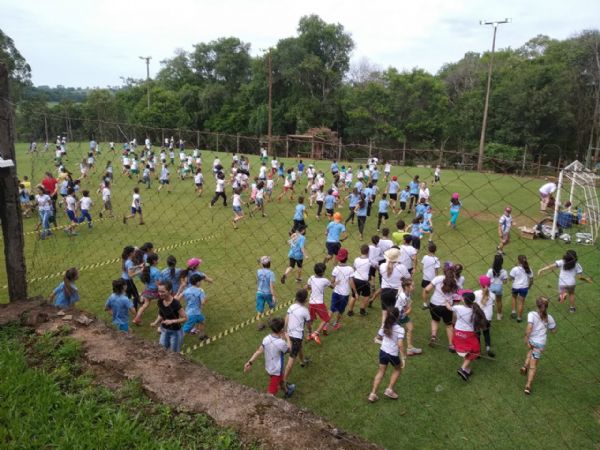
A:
487,92
270,124
147,59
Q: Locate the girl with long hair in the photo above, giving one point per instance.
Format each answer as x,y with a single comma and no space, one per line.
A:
66,294
486,299
498,277
150,276
443,290
130,269
522,277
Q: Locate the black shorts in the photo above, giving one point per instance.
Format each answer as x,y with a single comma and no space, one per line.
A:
402,205
388,298
415,195
363,288
329,212
372,272
296,346
333,247
425,283
296,262
393,196
440,313
386,358
384,215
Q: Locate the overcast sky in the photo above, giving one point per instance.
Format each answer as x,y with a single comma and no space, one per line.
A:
95,42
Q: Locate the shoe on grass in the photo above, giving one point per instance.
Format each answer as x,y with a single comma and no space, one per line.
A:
572,309
413,351
389,393
372,398
432,341
491,354
513,315
463,374
306,362
350,313
451,349
290,389
315,337
337,326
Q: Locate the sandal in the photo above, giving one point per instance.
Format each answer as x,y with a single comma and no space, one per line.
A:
527,390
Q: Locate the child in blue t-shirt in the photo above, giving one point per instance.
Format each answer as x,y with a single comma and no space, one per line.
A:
119,305
66,294
329,204
299,215
265,289
150,276
195,299
384,204
296,254
404,196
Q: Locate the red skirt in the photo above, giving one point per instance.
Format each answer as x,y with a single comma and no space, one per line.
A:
466,344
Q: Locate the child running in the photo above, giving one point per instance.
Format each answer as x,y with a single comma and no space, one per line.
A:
498,277
504,225
486,299
85,203
522,277
295,320
391,352
404,305
536,335
150,276
236,202
455,206
341,279
195,300
431,265
136,207
65,295
106,201
265,289
274,346
468,318
296,255
361,287
382,214
316,307
119,305
299,215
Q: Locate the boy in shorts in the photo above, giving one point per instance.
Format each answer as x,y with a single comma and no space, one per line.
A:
335,234
265,289
341,281
316,285
295,320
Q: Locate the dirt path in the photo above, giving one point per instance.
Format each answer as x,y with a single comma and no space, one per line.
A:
115,357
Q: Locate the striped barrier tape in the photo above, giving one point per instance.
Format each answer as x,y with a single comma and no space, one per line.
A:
29,233
231,330
116,260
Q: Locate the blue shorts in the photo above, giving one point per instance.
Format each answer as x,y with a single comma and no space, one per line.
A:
192,321
520,292
537,349
496,289
261,299
237,209
122,327
71,215
386,358
339,302
136,210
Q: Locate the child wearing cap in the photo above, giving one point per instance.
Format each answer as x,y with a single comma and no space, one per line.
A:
341,279
335,234
504,225
297,254
195,299
486,300
185,276
274,346
265,289
316,284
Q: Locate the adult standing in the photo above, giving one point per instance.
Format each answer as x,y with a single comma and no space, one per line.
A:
545,192
171,317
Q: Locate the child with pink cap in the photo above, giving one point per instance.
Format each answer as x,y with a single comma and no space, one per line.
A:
455,206
185,275
486,301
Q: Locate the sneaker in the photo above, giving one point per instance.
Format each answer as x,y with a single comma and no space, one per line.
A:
513,315
463,374
389,393
363,312
519,320
451,349
337,326
325,331
527,391
491,354
572,309
350,313
306,362
498,316
432,341
289,391
424,306
414,351
282,279
316,338
372,398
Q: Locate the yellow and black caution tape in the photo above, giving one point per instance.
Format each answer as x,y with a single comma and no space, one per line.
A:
233,329
95,220
116,260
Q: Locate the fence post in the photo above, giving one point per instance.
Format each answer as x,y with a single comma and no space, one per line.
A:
524,161
370,148
237,143
198,139
539,164
287,146
339,149
10,211
404,153
217,141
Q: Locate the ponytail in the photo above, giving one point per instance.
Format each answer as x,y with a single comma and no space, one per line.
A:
389,269
497,266
393,314
127,252
449,285
150,261
485,295
570,260
171,262
68,279
523,262
479,320
542,306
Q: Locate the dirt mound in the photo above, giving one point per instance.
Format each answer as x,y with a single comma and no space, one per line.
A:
166,377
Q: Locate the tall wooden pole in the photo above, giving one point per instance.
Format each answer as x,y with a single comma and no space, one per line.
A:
10,210
270,124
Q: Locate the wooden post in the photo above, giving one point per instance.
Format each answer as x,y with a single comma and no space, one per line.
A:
404,153
237,143
10,210
287,146
539,164
339,150
370,147
217,141
524,161
198,139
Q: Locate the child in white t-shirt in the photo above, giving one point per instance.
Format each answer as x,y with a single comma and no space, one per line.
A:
522,277
538,324
486,300
316,284
274,346
136,207
295,320
341,279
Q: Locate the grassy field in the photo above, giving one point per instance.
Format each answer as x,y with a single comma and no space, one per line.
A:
436,408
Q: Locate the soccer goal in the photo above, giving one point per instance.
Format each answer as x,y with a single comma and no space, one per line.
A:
582,207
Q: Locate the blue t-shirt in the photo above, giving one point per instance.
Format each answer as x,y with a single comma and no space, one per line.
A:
154,278
353,200
300,167
393,187
426,225
375,174
416,230
420,209
119,306
62,300
128,265
404,195
329,201
264,278
193,272
299,212
165,275
383,206
296,247
194,297
334,231
368,193
362,212
359,185
414,187
455,208
334,167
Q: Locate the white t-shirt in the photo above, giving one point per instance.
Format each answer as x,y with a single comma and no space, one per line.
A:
105,194
430,264
424,193
548,188
274,164
568,277
317,289
505,223
262,172
394,280
464,318
237,200
488,309
499,280
390,344
539,329
407,252
134,164
274,348
403,302
438,298
71,202
298,316
126,161
375,255
136,201
520,277
387,168
460,282
198,178
270,183
342,275
361,268
85,203
44,202
164,174
220,185
384,245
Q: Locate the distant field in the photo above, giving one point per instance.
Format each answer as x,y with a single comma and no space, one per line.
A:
435,409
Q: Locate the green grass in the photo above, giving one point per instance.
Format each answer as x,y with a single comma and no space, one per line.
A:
435,408
48,401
